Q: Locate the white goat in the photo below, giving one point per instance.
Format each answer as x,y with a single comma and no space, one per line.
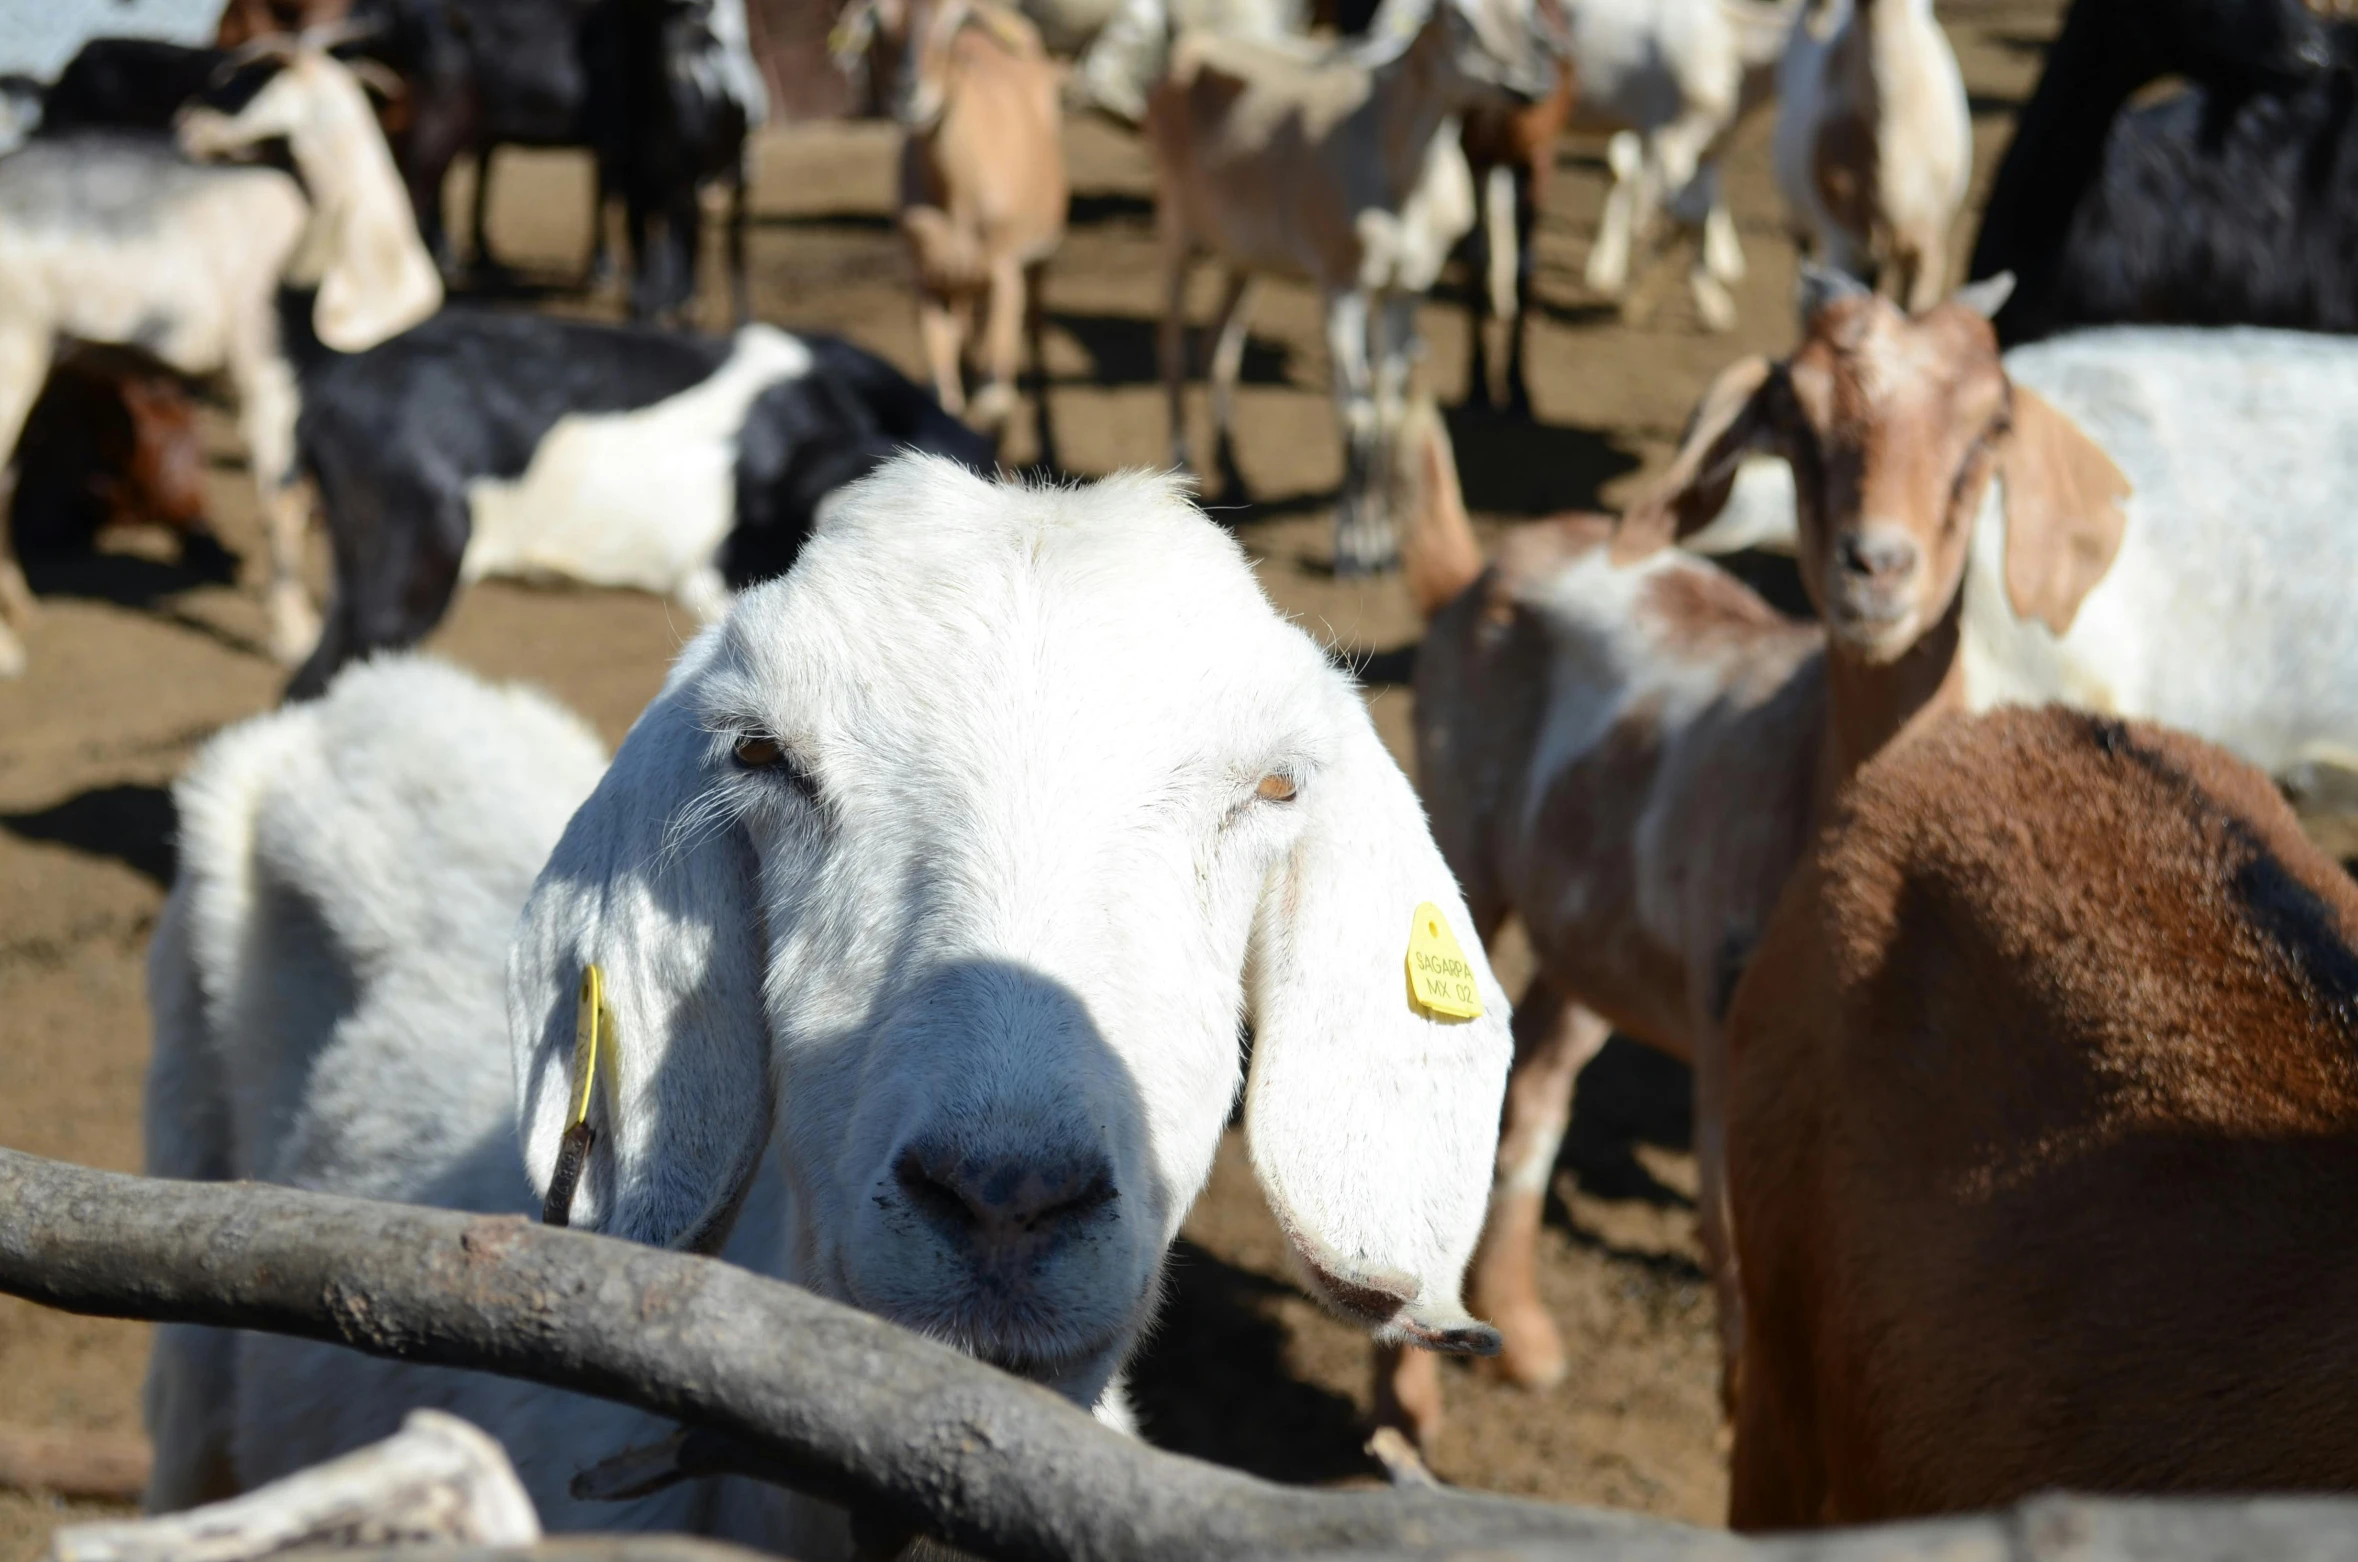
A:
1343,169
1672,78
932,883
1134,51
1874,143
115,241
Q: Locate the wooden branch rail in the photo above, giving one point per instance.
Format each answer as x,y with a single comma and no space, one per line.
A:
780,1384
110,1466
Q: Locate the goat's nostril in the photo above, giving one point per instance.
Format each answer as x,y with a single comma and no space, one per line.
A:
1879,556
1000,1201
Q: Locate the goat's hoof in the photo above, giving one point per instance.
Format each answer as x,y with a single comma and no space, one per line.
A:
294,626
12,655
1533,1356
991,408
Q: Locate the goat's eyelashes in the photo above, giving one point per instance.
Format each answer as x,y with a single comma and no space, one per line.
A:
1275,788
762,754
758,751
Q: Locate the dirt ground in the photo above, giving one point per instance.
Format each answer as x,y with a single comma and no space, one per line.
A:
135,663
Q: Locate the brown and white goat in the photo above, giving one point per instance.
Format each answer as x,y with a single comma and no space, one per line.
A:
2043,1124
1627,749
1343,169
983,190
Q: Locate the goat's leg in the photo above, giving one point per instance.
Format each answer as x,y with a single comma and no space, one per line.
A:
482,259
1002,334
1526,197
1608,262
1035,327
1363,533
1228,348
24,365
1554,1040
1919,262
1711,1204
937,329
600,269
267,404
740,289
1407,1394
1171,354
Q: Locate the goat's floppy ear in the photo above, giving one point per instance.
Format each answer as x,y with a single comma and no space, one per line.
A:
377,280
663,904
2065,511
1372,1121
1728,424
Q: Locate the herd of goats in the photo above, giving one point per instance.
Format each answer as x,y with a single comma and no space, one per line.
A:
900,951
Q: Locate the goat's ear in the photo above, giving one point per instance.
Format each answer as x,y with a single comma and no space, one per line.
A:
378,280
662,902
1373,1122
1729,423
2066,508
1986,297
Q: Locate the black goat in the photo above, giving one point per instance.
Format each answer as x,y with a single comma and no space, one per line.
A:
486,443
2106,52
641,84
130,84
2215,209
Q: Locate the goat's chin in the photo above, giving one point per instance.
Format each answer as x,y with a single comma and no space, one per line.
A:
1876,638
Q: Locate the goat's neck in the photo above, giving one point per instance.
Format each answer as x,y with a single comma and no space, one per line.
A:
1869,706
1410,96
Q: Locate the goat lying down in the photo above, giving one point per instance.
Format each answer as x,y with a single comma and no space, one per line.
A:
485,444
928,895
2221,609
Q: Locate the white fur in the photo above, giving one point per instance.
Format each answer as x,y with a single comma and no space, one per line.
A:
1912,90
187,263
1020,921
2226,611
1673,77
644,498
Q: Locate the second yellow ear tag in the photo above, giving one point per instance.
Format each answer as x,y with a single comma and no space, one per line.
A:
1440,978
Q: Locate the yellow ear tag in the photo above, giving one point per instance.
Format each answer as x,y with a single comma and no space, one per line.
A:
594,1038
1440,978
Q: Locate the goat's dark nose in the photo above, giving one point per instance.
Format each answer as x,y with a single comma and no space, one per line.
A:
1003,1204
1880,556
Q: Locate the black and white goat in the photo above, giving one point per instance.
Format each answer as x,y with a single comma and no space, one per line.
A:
123,240
2221,206
485,443
663,92
127,84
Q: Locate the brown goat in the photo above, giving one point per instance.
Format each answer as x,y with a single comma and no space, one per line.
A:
2043,1116
983,190
1626,748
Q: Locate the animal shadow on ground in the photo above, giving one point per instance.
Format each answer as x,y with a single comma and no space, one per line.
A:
1122,352
1100,208
130,579
1212,1380
133,824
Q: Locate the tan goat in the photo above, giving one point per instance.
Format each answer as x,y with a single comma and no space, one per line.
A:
2043,1128
1343,169
1627,749
982,183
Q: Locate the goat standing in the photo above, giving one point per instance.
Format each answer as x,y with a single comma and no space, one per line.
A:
1874,145
982,185
1345,170
118,241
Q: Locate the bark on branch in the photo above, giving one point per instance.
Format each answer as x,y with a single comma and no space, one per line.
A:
829,1400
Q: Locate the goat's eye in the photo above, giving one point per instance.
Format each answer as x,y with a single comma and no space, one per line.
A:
758,751
1275,789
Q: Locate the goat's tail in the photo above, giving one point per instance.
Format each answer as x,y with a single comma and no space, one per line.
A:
1438,553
